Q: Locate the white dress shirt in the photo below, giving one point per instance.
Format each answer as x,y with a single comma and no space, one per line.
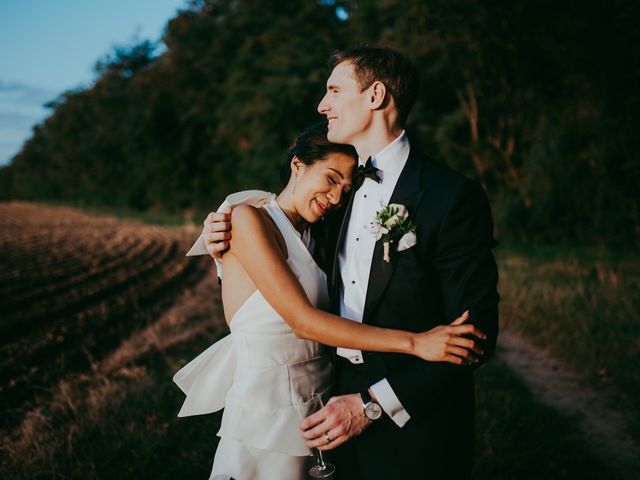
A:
357,252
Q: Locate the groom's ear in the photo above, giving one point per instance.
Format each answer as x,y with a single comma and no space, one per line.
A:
377,95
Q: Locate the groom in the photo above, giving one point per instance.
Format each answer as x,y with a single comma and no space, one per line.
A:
396,416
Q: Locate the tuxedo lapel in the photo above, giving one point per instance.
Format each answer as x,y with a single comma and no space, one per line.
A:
334,284
408,192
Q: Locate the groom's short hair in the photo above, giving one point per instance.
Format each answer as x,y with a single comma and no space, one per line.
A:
392,68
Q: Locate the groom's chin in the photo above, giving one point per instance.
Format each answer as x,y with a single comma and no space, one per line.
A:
333,137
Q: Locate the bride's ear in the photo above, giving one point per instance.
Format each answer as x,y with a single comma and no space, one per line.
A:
297,167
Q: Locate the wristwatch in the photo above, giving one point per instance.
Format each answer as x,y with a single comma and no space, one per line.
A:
372,409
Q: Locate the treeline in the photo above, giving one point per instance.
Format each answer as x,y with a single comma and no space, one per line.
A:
538,100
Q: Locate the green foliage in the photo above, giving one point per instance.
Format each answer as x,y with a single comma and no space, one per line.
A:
536,100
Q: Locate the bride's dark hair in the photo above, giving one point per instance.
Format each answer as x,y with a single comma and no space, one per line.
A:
311,146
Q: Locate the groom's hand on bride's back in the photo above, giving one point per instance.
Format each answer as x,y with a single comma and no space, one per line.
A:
216,233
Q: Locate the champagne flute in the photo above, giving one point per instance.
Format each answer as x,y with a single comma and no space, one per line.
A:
312,404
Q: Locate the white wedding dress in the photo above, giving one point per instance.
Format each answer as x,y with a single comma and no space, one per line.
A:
261,373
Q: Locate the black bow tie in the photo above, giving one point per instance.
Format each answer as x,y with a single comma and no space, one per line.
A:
362,172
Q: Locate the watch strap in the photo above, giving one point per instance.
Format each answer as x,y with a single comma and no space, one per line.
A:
366,397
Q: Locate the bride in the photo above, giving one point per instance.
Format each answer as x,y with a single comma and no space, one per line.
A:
274,297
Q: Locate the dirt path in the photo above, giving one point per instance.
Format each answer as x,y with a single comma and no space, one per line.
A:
557,387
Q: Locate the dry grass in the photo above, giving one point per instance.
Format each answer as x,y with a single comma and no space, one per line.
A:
518,438
115,417
49,439
49,432
90,336
73,286
584,308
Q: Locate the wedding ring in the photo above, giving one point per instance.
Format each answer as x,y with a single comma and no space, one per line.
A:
326,434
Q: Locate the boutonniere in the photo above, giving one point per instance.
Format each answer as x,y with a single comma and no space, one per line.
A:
391,224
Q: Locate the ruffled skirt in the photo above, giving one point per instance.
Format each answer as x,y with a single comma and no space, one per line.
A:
264,395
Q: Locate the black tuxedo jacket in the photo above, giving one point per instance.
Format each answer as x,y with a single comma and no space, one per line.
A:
451,269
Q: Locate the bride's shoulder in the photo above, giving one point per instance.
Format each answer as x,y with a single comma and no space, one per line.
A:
251,220
246,214
246,207
254,227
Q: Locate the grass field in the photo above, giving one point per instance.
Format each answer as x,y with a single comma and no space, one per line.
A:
583,306
518,438
113,309
73,288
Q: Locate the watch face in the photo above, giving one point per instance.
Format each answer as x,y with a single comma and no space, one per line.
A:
373,411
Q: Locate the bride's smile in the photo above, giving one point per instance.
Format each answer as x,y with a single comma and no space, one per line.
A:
315,189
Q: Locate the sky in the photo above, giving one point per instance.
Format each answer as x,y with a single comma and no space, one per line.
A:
50,46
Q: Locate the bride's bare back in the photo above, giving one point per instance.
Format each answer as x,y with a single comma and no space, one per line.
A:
237,286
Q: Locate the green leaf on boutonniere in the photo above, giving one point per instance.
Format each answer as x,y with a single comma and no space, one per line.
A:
391,225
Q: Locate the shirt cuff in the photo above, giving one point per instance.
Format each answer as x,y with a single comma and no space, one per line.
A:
218,268
354,356
390,403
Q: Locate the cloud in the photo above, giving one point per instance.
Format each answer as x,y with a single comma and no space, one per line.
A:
21,107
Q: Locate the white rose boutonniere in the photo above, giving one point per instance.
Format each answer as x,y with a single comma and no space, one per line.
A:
391,225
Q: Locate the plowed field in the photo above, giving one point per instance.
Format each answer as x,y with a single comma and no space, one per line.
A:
73,286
